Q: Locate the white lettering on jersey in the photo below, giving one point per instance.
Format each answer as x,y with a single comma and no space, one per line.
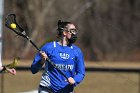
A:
64,67
45,80
64,56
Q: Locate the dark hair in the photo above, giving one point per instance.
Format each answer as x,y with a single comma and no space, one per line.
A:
61,26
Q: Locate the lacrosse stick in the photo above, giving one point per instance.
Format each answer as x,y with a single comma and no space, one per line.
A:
11,23
11,65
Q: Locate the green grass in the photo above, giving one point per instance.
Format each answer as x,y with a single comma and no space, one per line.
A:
94,82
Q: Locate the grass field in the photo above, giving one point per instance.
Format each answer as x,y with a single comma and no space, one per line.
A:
94,82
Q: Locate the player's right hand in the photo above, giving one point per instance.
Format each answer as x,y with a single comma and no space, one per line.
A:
43,55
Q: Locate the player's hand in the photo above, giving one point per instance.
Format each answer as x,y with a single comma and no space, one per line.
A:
71,81
11,71
43,55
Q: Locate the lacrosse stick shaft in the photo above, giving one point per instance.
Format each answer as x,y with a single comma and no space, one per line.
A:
57,68
34,45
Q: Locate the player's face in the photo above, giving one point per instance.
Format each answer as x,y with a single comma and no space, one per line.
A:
70,33
71,29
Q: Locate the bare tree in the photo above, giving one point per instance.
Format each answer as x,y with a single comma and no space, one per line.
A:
108,29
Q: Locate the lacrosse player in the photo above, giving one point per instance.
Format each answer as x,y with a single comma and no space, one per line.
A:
66,56
11,71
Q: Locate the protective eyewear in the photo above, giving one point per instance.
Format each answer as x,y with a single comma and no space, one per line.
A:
73,31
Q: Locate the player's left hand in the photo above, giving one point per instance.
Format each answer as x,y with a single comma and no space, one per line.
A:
71,81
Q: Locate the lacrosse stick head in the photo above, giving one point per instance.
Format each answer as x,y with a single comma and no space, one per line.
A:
11,19
14,63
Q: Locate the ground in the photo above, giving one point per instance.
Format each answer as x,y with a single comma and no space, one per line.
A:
94,82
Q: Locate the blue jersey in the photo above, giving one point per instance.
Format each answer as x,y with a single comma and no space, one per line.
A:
69,59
